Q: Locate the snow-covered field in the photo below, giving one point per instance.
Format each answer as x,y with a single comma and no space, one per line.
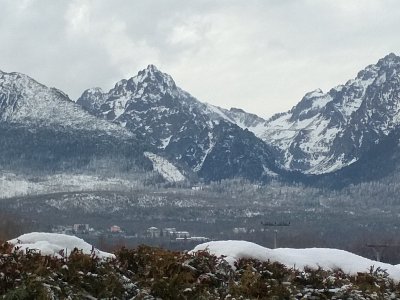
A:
54,244
327,259
12,185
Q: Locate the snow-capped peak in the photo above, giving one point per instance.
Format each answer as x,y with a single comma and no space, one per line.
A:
314,93
327,131
389,60
25,101
152,74
182,128
150,80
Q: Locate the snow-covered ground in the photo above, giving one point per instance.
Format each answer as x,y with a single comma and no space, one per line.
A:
12,185
325,258
55,244
328,259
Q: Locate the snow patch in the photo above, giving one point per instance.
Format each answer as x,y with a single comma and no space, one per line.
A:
165,142
212,144
119,106
167,170
326,258
216,110
269,172
381,79
54,244
13,185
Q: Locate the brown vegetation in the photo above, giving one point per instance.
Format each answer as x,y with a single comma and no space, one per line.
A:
154,273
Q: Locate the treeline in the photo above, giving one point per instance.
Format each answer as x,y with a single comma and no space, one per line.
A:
12,225
384,192
59,149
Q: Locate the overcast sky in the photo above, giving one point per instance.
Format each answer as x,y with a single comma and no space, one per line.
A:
262,56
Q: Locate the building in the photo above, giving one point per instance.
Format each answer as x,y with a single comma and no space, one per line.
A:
63,229
197,188
153,232
115,229
238,230
81,228
182,234
169,232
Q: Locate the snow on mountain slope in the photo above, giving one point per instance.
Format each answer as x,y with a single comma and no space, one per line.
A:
172,121
325,258
239,117
152,106
12,185
25,101
41,129
323,133
326,131
167,170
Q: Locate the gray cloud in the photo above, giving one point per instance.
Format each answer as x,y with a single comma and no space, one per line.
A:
262,56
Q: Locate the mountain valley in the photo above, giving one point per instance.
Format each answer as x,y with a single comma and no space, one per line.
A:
148,153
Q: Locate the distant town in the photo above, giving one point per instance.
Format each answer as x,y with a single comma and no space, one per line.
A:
169,233
167,236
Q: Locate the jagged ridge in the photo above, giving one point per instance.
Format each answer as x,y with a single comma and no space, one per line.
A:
325,132
178,125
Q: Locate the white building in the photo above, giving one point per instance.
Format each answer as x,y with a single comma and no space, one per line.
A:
81,228
182,234
169,231
115,229
238,230
153,232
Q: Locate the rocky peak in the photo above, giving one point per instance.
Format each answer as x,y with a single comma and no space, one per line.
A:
150,80
389,65
314,93
17,79
237,110
152,68
327,131
92,99
389,60
149,87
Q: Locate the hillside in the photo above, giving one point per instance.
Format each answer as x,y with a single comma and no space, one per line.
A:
42,129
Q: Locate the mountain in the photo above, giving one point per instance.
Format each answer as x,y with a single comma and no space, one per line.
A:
379,165
326,132
25,101
148,120
41,128
200,136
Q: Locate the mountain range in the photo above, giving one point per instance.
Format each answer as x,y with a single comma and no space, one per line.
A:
341,135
